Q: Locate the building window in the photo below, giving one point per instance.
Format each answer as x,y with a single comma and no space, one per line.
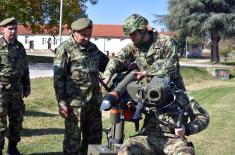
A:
58,40
26,39
44,41
108,39
95,38
122,39
54,41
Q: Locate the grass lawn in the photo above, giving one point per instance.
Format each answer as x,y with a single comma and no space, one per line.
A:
43,128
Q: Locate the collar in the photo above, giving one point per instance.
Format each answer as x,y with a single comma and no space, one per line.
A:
3,42
82,47
146,45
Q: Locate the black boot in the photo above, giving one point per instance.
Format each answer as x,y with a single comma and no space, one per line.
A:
1,148
12,149
2,142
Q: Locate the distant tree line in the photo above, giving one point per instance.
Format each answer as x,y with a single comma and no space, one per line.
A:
40,15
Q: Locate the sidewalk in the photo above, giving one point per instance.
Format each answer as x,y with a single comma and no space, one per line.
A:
40,70
49,53
46,69
184,64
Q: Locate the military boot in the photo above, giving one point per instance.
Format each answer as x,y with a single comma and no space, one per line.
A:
1,148
12,149
2,142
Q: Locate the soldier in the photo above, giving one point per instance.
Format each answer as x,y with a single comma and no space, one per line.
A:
156,56
14,85
76,68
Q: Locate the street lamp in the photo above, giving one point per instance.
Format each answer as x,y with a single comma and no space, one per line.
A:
61,14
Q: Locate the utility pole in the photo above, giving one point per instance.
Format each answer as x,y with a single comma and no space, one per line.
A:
186,48
61,15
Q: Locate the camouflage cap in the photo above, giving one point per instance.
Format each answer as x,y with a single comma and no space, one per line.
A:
8,21
134,22
81,24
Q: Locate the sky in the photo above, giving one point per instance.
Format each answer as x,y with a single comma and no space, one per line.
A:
116,11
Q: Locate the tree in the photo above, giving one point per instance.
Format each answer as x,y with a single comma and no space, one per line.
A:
200,18
41,15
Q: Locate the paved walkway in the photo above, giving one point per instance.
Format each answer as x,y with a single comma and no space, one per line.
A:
40,70
46,69
202,65
48,53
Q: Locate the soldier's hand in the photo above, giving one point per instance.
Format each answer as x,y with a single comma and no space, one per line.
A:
139,75
180,131
63,111
106,80
26,93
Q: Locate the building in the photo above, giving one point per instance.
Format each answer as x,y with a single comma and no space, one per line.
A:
107,38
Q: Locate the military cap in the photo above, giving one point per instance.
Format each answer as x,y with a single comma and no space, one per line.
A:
8,21
81,24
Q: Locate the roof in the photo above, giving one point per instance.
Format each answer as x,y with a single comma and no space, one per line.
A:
108,31
99,30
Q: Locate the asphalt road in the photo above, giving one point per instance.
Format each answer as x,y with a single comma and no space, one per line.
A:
46,69
41,70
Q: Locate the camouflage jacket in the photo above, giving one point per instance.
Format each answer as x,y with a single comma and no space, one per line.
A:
158,56
14,71
76,71
164,122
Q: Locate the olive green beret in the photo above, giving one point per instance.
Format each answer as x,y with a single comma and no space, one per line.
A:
8,21
81,24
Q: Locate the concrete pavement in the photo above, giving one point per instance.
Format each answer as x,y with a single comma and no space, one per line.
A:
46,69
40,70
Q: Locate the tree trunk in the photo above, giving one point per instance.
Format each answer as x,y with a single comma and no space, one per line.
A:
215,38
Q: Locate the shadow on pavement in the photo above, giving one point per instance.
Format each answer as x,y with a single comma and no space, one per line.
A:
48,153
39,114
41,132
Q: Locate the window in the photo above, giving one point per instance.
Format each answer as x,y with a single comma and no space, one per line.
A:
43,41
54,41
26,39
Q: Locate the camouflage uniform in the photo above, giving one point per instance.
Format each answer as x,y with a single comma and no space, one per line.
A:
76,85
158,56
14,81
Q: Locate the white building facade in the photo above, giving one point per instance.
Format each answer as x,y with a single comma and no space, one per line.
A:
106,37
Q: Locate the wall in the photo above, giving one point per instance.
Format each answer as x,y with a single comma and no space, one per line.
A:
41,42
112,45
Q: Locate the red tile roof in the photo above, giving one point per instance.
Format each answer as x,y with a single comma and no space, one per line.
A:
108,31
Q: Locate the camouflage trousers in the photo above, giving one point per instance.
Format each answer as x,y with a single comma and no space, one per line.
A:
11,105
154,145
82,127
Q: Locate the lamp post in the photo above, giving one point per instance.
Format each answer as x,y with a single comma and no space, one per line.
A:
61,14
